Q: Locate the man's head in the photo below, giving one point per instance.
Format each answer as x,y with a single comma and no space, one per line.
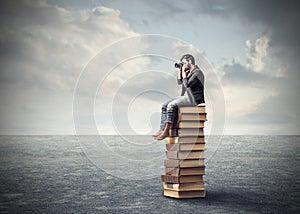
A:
189,61
188,58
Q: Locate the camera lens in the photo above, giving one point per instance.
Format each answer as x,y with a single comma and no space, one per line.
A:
178,65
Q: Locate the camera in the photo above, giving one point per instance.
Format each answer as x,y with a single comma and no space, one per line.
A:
178,65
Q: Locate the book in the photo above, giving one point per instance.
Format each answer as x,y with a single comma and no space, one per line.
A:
177,171
191,109
182,155
186,139
185,194
184,186
182,179
192,117
184,163
190,124
186,132
185,146
191,132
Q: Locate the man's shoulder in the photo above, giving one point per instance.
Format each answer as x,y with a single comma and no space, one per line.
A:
197,70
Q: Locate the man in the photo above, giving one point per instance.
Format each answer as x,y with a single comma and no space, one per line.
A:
192,80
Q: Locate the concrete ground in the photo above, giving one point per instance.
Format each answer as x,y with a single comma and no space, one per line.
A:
52,175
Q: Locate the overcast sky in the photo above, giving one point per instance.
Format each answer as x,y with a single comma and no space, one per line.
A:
88,67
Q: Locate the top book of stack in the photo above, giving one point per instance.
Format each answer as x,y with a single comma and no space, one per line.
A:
192,113
192,109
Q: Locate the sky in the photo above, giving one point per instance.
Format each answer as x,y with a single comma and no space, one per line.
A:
106,67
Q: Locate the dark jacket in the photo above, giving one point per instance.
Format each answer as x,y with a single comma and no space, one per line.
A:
194,85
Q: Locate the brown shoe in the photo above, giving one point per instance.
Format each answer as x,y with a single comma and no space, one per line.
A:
158,133
162,136
165,133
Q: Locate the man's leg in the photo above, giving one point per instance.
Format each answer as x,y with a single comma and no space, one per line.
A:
163,117
171,111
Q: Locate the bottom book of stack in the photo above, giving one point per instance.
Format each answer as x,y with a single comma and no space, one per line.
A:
184,190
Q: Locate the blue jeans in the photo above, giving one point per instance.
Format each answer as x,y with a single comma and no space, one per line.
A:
169,109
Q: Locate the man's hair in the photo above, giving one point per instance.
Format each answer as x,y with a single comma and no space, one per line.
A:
188,57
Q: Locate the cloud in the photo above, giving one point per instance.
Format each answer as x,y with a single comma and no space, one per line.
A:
273,114
54,41
259,95
43,48
253,72
279,18
256,53
239,74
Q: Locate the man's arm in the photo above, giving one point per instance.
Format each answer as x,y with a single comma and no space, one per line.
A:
193,79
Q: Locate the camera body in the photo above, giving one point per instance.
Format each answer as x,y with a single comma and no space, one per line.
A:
178,65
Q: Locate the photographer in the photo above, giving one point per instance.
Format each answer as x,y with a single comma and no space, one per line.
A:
192,80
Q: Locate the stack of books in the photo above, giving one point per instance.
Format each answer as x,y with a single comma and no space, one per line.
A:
184,165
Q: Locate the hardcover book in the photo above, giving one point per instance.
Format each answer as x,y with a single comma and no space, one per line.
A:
182,179
182,155
185,194
191,109
186,139
196,132
177,171
184,186
192,117
185,146
184,163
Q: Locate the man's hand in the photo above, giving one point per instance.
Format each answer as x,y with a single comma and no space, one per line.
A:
184,69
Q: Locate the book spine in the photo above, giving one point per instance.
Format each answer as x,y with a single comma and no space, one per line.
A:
186,139
192,117
172,154
172,147
182,179
185,147
192,109
177,171
190,124
186,132
184,163
192,163
184,186
171,163
172,171
183,155
191,132
169,179
190,155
